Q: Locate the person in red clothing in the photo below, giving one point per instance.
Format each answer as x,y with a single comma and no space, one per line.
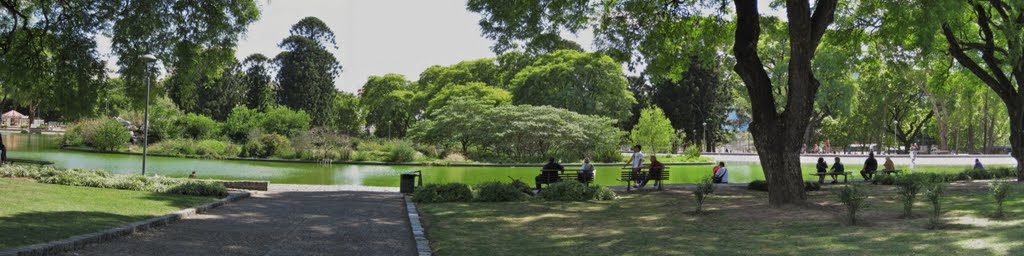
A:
655,170
715,171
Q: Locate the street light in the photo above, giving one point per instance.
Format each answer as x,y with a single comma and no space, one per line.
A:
147,59
705,134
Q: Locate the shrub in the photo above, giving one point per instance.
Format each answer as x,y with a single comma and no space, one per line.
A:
203,148
240,121
360,156
1002,172
499,192
110,136
704,189
442,193
610,155
883,179
758,185
811,186
852,196
522,186
400,151
101,179
83,132
566,191
978,174
603,193
1000,191
198,127
281,120
907,188
934,194
693,151
268,145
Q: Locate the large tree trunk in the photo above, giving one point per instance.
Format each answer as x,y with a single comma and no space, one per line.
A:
777,136
1017,136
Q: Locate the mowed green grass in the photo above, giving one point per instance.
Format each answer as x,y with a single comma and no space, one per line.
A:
739,223
33,212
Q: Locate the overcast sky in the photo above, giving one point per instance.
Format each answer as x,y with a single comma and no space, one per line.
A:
380,37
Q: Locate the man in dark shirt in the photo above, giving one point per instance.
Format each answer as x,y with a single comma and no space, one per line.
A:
550,173
870,166
656,168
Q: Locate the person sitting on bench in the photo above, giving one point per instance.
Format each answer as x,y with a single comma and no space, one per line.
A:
837,168
654,171
822,169
723,174
889,165
870,166
977,165
586,172
550,173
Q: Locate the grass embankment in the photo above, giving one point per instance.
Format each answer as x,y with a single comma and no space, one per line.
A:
32,212
739,222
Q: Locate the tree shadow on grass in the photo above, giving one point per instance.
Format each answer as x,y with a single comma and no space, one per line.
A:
39,227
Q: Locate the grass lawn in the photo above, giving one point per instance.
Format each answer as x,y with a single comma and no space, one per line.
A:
739,223
33,212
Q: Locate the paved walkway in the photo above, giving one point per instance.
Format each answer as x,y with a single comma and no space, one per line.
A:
288,220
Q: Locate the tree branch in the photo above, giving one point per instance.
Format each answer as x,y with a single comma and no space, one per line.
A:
748,63
824,12
1004,90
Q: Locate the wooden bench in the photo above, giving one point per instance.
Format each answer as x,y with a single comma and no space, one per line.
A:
627,176
821,175
27,161
888,172
562,176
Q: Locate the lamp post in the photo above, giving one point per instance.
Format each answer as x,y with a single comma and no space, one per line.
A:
923,128
895,124
146,59
705,134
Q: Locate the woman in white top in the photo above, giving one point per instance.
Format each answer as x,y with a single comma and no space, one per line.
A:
586,172
722,176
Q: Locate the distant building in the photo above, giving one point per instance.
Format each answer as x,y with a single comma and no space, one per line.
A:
14,119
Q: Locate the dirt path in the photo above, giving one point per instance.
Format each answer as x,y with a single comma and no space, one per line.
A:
293,220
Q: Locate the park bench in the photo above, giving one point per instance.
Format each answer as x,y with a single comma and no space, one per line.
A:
887,172
627,176
821,175
562,176
27,161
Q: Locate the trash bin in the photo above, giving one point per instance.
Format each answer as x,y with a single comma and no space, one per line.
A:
408,182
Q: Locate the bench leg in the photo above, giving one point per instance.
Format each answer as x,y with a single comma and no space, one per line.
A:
844,179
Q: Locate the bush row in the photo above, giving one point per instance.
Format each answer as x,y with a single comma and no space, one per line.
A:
763,185
968,174
102,179
514,191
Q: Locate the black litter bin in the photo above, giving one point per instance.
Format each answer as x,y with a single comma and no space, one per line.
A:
408,182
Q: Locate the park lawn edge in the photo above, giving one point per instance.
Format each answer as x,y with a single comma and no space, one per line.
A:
77,241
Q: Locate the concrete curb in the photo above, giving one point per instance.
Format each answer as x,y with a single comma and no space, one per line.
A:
422,244
80,241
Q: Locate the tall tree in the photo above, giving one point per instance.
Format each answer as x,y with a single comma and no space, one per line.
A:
386,103
260,90
778,128
308,69
654,131
586,83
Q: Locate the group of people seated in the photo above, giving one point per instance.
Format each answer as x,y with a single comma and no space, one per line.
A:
868,172
655,170
549,173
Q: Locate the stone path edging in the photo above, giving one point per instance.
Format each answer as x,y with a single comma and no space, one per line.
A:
79,241
422,244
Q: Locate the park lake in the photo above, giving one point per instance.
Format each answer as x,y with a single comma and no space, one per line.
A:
47,148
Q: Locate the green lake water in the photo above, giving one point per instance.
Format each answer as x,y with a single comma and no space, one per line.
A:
45,147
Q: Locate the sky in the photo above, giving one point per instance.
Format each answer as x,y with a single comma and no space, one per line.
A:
379,37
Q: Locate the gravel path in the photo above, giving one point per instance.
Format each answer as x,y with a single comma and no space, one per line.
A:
287,220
